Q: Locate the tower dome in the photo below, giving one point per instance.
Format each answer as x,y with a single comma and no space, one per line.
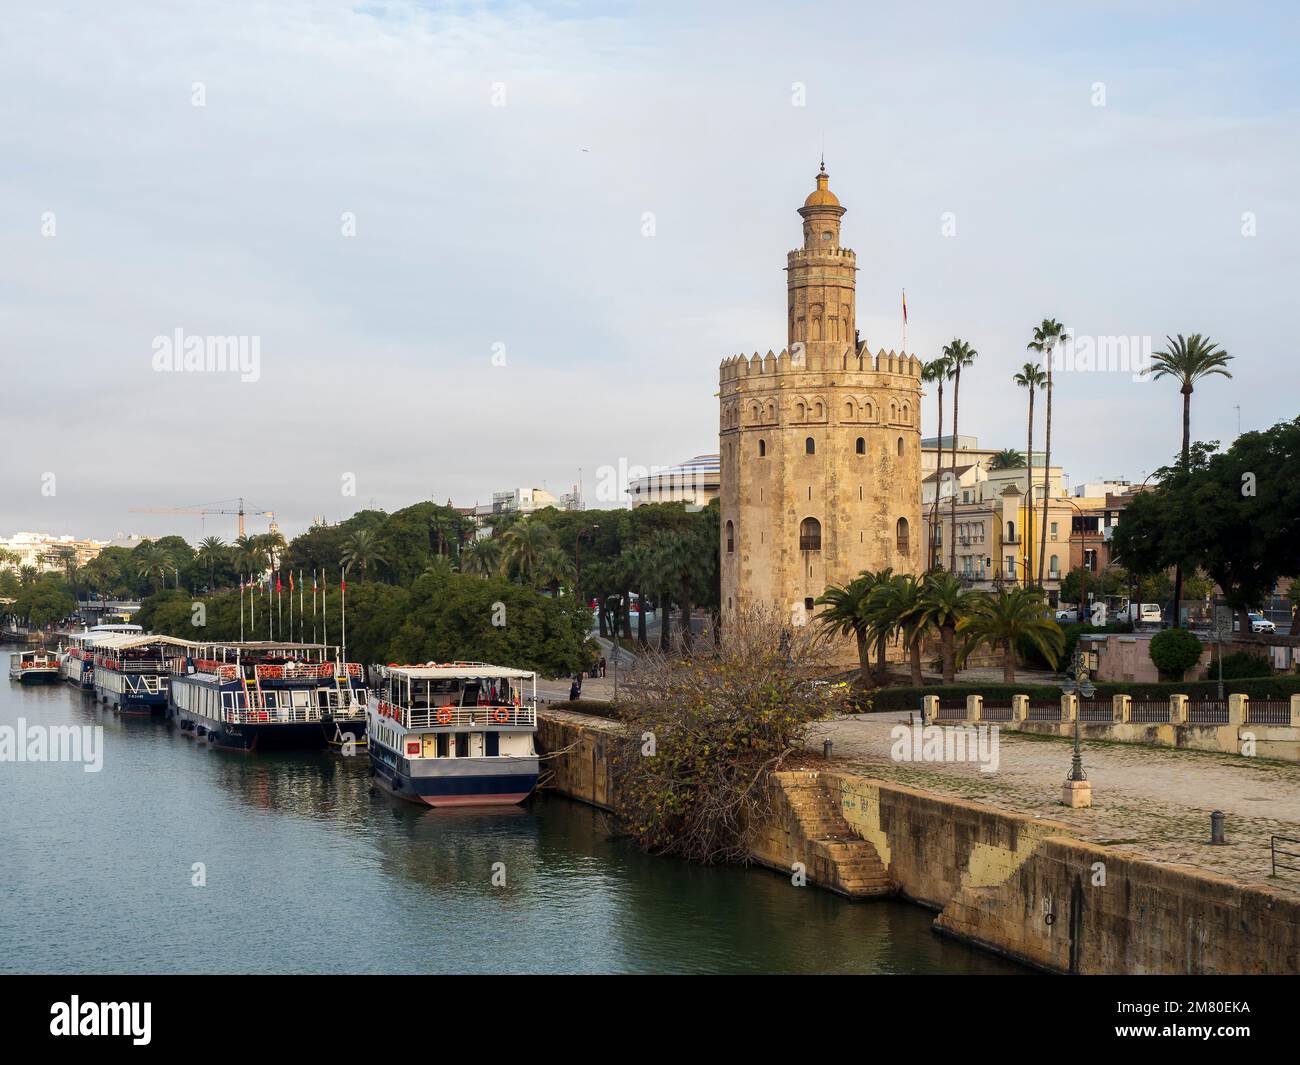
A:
822,196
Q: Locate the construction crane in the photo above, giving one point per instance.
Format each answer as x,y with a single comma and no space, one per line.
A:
204,509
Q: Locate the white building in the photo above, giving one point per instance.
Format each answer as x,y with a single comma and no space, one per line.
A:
46,552
695,482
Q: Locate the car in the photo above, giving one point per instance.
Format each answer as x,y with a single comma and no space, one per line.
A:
1259,623
1068,614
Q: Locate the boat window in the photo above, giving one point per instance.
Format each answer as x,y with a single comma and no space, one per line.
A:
462,745
443,744
493,744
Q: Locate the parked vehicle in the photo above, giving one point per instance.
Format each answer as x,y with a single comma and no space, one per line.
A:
1258,623
1140,612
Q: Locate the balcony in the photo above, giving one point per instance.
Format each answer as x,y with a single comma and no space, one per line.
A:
460,717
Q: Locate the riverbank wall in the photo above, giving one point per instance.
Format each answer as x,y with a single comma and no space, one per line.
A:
1019,886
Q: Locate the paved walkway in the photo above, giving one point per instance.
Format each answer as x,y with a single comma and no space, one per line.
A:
1151,801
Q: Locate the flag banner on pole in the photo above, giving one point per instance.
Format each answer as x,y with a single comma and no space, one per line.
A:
905,306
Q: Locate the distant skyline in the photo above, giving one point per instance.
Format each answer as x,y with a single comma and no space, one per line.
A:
482,245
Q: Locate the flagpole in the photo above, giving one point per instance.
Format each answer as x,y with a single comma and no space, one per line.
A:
241,608
343,608
302,613
324,613
904,321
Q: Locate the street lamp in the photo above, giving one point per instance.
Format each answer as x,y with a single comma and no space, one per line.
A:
1079,682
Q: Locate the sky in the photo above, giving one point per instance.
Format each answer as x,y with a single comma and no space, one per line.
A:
483,246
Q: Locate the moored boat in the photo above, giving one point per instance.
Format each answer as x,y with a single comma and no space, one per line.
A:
259,695
132,671
33,667
454,734
77,656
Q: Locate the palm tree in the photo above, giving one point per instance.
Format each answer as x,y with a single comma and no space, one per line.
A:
212,550
481,557
555,568
896,607
844,613
361,549
149,560
522,546
1007,459
1031,376
960,354
1013,616
945,603
936,370
1187,360
1047,335
639,559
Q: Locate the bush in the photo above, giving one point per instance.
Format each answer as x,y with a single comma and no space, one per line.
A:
1175,651
1243,664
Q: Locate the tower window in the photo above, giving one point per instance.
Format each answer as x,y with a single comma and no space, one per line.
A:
810,446
903,536
900,445
762,448
731,538
861,446
810,535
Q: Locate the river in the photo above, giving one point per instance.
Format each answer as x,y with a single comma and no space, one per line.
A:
303,870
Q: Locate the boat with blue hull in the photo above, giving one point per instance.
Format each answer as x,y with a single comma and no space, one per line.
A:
77,657
132,671
263,695
454,734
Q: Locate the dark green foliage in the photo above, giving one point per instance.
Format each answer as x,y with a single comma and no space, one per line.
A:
1174,652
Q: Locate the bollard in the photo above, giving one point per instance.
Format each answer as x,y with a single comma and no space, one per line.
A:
1216,828
826,749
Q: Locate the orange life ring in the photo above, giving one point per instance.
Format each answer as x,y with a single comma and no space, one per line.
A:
444,716
501,714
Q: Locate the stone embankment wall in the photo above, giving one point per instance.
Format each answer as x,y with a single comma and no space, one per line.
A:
1019,886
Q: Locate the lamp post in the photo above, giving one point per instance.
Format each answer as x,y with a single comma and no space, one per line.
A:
1077,792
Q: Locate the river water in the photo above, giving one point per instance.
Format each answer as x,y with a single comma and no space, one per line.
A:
307,872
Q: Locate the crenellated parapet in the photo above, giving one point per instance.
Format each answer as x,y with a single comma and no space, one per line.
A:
859,360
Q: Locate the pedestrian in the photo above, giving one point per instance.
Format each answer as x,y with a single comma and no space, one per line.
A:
602,665
575,689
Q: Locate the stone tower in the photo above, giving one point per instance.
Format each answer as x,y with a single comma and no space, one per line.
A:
821,444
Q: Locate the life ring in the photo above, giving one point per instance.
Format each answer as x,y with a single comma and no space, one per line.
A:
444,716
501,715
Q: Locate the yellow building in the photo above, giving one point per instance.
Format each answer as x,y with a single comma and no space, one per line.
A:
820,445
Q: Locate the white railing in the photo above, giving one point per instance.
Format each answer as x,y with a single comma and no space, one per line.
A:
147,685
278,706
459,716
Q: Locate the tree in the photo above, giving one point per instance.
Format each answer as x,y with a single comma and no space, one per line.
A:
847,613
1174,652
150,562
362,549
523,545
1007,459
482,557
1048,335
554,568
959,354
1233,515
937,371
212,552
1187,360
722,722
1030,377
1011,617
944,604
897,607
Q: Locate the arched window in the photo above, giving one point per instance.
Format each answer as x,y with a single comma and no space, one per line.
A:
810,446
1011,532
1054,566
810,535
903,536
906,412
849,410
861,446
900,445
799,411
731,538
762,448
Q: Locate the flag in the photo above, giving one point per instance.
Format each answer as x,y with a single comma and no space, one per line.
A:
291,582
905,306
277,582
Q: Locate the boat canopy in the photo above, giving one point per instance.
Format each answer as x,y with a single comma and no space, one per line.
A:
454,670
125,641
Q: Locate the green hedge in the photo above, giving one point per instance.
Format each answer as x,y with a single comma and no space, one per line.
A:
1279,687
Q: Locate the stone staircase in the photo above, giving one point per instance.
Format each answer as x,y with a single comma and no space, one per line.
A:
806,826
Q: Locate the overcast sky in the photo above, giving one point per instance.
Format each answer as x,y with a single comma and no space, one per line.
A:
127,212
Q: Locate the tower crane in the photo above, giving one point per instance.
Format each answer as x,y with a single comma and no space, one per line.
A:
204,509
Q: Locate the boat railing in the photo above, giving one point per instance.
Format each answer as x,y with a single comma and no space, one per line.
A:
286,706
503,715
149,684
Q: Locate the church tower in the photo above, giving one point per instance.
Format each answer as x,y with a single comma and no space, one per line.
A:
821,444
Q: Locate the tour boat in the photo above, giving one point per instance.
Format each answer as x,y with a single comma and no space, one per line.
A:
77,659
455,734
132,671
262,695
33,667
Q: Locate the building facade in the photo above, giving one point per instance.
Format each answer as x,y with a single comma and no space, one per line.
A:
820,445
695,482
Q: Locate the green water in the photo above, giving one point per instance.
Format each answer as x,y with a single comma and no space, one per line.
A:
308,872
